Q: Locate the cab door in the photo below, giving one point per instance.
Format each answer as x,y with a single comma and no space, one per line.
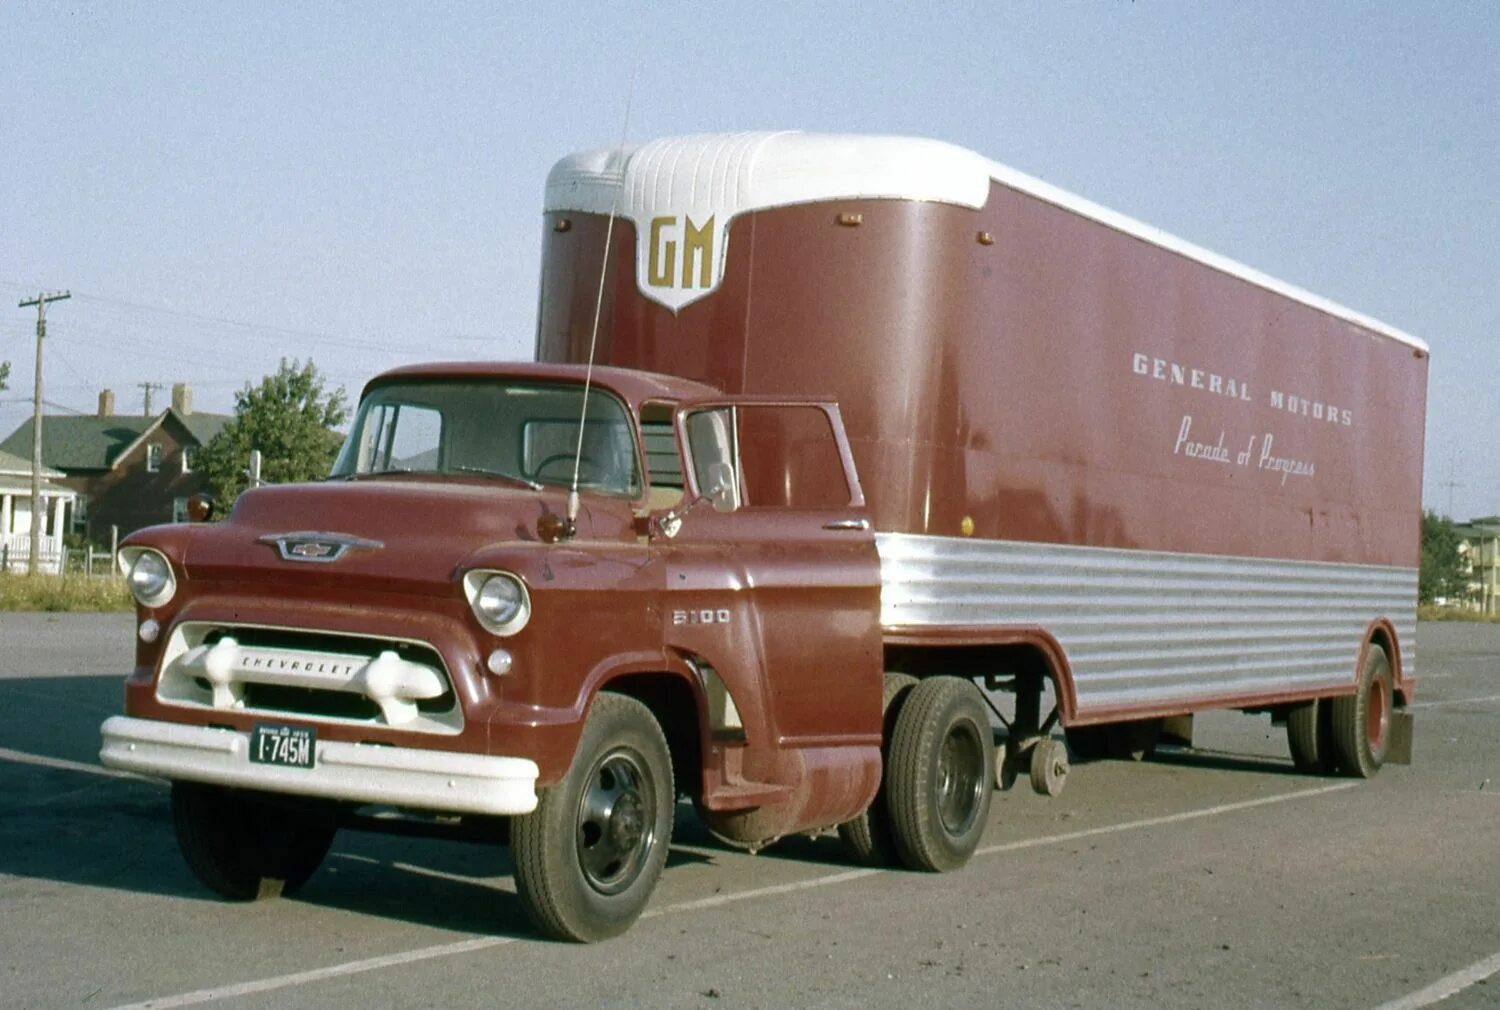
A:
774,572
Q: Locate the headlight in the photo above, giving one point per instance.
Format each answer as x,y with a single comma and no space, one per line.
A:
149,575
499,600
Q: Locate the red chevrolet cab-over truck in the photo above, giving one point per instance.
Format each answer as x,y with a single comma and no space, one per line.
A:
868,432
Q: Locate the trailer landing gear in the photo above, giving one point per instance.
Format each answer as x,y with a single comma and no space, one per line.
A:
1029,745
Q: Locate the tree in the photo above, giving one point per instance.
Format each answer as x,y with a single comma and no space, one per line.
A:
289,418
4,373
1441,574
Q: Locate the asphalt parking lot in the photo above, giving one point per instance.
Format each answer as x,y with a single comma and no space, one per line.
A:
1210,877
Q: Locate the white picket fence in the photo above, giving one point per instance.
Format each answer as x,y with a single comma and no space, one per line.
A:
15,551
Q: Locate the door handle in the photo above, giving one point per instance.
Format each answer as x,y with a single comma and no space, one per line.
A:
847,524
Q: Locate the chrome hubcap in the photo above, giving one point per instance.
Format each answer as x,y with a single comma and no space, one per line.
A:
961,779
616,822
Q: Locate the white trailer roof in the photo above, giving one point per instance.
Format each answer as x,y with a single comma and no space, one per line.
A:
726,174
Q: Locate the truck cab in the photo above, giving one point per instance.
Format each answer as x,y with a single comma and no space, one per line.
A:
548,598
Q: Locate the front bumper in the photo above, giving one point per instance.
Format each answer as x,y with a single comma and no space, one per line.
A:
351,772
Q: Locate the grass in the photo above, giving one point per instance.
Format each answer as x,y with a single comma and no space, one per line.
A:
63,593
1433,612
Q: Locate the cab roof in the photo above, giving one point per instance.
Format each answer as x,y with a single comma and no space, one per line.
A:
633,386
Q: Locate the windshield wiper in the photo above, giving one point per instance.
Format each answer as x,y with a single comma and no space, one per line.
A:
362,474
457,468
482,471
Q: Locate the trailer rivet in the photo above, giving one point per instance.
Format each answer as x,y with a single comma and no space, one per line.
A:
966,527
499,662
985,238
849,219
562,224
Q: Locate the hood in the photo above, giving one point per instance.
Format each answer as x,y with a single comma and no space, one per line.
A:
396,534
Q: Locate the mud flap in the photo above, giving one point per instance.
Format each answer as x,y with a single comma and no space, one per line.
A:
1399,750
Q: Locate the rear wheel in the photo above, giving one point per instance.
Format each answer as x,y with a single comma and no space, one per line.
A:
942,754
867,836
1310,739
246,845
588,858
1361,722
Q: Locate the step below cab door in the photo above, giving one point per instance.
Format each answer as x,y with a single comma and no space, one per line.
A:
773,577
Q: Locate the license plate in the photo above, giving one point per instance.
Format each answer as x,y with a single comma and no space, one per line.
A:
275,744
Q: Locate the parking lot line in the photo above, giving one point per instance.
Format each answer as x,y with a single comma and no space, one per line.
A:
1455,701
697,904
1449,985
62,764
1151,822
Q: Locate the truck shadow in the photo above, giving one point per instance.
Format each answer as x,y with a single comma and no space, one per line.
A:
70,821
1208,758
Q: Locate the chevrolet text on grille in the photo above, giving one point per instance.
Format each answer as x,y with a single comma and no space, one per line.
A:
393,683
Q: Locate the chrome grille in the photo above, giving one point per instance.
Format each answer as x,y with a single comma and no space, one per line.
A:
326,676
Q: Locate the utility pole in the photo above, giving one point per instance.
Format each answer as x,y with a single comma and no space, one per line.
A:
148,387
40,301
1450,484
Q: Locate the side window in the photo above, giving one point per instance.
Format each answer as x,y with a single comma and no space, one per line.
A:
153,457
663,465
711,441
179,510
776,456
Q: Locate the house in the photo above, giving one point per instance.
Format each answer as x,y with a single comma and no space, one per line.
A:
1479,549
127,471
15,515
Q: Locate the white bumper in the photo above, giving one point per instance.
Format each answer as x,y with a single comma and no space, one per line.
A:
356,773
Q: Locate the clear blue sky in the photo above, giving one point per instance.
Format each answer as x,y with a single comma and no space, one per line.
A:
221,185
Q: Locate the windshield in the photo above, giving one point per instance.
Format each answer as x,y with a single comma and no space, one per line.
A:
524,431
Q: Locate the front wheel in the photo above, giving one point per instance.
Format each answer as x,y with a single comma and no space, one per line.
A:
246,845
942,754
588,858
1361,722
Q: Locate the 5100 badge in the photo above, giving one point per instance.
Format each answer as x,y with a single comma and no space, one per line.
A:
276,744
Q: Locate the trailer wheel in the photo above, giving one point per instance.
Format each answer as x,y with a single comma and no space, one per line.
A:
1309,736
1049,767
938,774
1361,722
245,845
867,837
588,858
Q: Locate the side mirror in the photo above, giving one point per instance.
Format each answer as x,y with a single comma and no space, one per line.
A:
720,488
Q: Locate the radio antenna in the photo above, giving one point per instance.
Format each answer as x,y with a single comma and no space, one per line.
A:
588,375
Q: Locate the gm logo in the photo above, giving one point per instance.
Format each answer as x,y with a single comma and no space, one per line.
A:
680,248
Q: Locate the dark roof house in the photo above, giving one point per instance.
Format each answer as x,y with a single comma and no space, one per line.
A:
129,470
